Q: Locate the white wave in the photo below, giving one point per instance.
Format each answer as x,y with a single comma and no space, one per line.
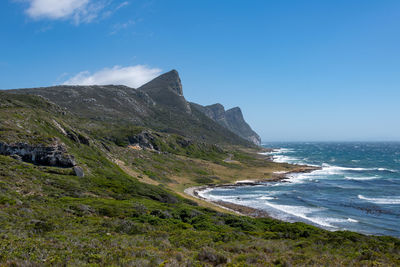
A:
278,151
205,193
332,169
341,220
361,178
279,156
302,212
297,178
338,169
284,159
328,170
286,212
282,150
384,200
237,199
267,197
386,170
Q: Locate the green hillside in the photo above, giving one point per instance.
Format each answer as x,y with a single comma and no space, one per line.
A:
127,207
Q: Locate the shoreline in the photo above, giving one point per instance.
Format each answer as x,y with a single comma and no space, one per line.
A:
241,209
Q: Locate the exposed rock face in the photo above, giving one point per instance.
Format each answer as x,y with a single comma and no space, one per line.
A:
232,119
151,141
237,124
217,113
167,90
54,155
170,80
77,137
71,134
144,140
184,142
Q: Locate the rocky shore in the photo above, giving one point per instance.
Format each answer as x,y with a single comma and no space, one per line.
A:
240,209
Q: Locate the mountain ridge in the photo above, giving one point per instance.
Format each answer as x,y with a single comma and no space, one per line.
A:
158,104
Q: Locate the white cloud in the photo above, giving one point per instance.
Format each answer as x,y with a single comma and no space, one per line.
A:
132,76
122,26
77,10
123,4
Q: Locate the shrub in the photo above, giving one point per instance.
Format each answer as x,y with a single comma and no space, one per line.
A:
209,255
40,226
203,180
131,228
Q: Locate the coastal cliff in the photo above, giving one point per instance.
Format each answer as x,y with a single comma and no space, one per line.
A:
231,119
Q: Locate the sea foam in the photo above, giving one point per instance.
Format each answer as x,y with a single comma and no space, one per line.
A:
361,178
303,213
382,200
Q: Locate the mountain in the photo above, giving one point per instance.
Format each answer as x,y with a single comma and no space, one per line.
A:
158,104
231,119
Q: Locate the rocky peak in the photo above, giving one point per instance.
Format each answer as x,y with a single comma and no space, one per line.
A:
216,112
231,119
217,108
169,80
166,90
235,113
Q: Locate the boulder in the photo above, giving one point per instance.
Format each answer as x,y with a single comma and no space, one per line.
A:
79,171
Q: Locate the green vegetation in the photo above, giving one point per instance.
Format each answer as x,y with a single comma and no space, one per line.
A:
49,216
54,218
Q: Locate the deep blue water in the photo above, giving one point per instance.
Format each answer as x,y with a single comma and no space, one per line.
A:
357,189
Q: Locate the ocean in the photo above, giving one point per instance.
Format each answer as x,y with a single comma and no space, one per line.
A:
356,189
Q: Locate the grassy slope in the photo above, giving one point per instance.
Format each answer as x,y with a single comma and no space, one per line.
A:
49,216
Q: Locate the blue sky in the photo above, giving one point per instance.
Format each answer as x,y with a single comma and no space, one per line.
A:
300,70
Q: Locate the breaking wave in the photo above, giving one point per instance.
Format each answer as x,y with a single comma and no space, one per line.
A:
382,200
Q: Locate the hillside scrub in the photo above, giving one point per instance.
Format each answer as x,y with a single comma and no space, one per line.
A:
128,208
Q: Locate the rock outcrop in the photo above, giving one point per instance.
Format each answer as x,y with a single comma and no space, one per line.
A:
149,140
71,134
79,171
144,140
52,155
231,119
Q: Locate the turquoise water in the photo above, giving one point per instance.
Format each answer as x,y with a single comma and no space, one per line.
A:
357,188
